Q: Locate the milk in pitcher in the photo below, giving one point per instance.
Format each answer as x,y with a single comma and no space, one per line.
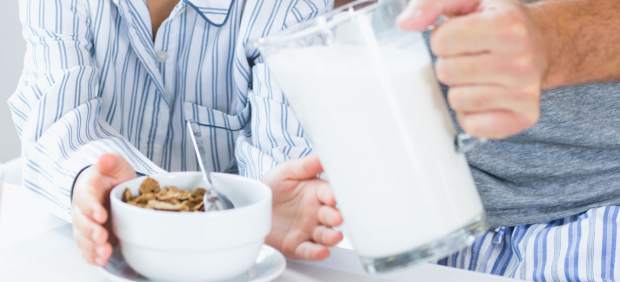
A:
372,114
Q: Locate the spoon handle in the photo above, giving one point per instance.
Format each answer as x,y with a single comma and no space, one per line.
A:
213,200
201,152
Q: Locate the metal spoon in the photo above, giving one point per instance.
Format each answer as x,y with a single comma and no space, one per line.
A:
213,200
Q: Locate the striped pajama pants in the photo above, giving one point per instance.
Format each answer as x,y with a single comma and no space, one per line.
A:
582,247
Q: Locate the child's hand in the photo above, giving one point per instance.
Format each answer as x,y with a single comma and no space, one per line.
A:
304,211
90,199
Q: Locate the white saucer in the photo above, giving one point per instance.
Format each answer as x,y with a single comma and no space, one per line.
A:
269,265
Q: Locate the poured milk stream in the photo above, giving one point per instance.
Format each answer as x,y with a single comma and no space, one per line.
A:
379,122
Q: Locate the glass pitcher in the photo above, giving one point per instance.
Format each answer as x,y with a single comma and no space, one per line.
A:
366,93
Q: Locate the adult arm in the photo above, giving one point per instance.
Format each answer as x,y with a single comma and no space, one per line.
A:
498,56
582,39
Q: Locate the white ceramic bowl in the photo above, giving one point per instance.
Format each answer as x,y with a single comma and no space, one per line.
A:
185,246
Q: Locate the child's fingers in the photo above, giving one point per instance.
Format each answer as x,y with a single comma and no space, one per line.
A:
103,253
92,241
311,251
326,236
87,247
88,228
94,209
325,194
100,235
329,216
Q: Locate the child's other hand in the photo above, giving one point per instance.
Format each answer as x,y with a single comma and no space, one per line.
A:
90,199
304,210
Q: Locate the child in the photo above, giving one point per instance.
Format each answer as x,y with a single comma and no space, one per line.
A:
123,77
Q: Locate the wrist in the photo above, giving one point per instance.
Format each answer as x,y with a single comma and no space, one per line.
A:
79,178
551,43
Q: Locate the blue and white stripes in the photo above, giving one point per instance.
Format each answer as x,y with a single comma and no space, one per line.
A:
577,248
94,82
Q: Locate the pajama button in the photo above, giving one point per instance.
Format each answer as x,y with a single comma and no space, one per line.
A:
161,56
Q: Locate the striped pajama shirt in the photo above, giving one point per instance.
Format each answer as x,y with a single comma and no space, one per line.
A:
97,80
582,247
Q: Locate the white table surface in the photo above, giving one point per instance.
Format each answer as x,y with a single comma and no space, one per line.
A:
35,246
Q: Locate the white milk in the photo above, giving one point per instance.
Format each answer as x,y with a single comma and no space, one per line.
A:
380,125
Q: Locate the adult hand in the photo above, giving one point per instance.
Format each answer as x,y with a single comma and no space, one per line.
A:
90,202
492,55
304,210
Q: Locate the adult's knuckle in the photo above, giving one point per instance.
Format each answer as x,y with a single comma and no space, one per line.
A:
455,97
523,64
443,72
519,32
514,34
519,95
468,99
509,16
522,103
469,126
528,92
512,28
532,116
437,42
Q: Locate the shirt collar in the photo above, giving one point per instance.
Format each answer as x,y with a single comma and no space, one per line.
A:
214,11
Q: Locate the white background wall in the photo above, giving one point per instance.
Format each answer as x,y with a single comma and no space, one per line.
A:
11,56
